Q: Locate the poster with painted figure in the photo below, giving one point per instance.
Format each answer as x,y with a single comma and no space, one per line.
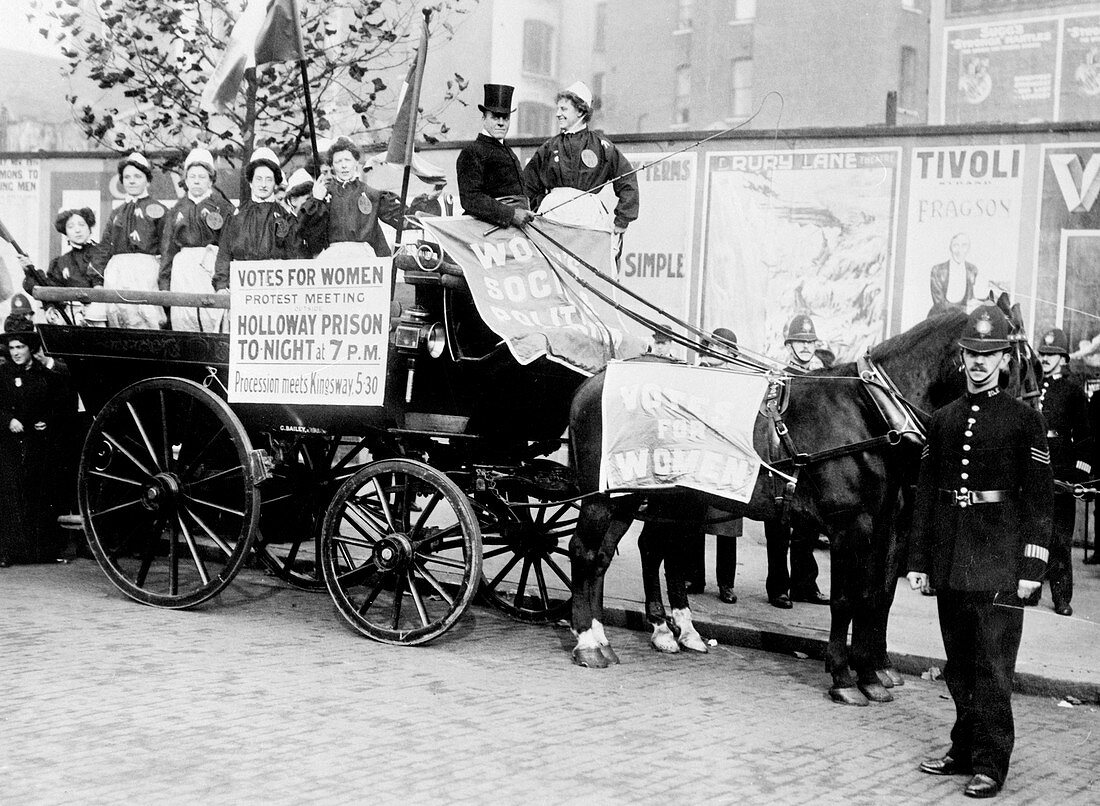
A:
800,232
963,231
1068,218
1080,81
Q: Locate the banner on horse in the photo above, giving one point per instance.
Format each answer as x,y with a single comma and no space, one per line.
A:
669,425
525,291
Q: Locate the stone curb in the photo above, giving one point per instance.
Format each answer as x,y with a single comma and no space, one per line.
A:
753,635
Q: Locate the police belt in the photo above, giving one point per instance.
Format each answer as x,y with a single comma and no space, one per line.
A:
957,498
521,202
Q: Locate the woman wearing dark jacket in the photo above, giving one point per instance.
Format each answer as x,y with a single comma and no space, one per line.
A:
72,269
28,399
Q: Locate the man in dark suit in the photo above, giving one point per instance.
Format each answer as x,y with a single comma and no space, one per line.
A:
980,536
490,180
952,282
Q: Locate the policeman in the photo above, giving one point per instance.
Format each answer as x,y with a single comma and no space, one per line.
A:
1065,410
800,583
980,535
490,181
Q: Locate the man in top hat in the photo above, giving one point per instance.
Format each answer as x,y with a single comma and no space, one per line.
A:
800,583
980,536
1065,411
577,160
490,180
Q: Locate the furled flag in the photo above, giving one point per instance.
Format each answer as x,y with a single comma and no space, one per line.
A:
400,151
266,31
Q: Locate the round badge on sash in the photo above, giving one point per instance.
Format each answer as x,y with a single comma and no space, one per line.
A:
364,204
282,228
213,219
589,158
154,211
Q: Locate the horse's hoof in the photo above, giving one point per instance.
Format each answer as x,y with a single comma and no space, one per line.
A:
875,691
664,642
590,658
608,653
897,677
884,678
848,695
693,642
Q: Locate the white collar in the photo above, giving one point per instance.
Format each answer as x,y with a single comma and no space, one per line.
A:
144,195
492,136
202,198
269,200
577,127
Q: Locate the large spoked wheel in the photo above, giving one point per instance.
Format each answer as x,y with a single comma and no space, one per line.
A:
167,492
401,551
526,532
294,503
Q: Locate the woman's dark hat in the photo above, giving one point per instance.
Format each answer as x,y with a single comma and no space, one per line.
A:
21,329
498,99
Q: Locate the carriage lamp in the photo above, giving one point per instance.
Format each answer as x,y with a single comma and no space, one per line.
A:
436,340
428,256
411,328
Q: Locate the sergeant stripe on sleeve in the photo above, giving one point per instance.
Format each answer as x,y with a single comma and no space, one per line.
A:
1041,456
1034,552
924,454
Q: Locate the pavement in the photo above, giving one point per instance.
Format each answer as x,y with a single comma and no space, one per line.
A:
264,696
1059,656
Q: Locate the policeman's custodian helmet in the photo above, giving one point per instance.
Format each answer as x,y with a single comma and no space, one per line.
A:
986,330
1055,342
801,328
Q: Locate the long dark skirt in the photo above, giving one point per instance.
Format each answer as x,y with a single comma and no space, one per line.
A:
28,530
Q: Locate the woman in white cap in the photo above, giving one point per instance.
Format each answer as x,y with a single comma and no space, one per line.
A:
345,208
261,228
190,242
299,188
576,160
127,255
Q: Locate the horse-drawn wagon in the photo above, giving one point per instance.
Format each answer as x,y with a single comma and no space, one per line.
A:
403,511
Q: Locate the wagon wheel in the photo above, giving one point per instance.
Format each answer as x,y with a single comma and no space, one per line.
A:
525,568
167,492
294,503
401,551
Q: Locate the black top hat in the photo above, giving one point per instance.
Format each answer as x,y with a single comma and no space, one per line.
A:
498,99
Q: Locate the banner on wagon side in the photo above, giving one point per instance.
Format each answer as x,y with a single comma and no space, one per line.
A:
309,331
675,425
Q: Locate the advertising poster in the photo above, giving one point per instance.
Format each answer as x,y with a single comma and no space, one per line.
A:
1000,72
668,425
309,331
19,213
800,232
963,230
1080,84
657,254
1066,251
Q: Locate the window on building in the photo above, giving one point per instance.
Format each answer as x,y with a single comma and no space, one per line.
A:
597,90
534,119
681,112
538,47
741,88
685,13
744,10
907,79
599,34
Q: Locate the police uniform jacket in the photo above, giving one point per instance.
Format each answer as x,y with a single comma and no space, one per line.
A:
988,445
133,227
488,170
583,160
190,225
256,231
350,213
1065,411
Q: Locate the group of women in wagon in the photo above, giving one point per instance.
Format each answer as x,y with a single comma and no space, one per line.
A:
189,247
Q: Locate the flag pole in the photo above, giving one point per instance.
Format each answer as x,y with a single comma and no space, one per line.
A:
410,140
309,119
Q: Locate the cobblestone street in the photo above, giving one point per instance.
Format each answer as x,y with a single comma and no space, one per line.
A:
265,697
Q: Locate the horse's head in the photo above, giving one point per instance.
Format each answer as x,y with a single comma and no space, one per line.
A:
1025,371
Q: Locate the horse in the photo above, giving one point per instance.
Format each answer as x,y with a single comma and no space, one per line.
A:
852,472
